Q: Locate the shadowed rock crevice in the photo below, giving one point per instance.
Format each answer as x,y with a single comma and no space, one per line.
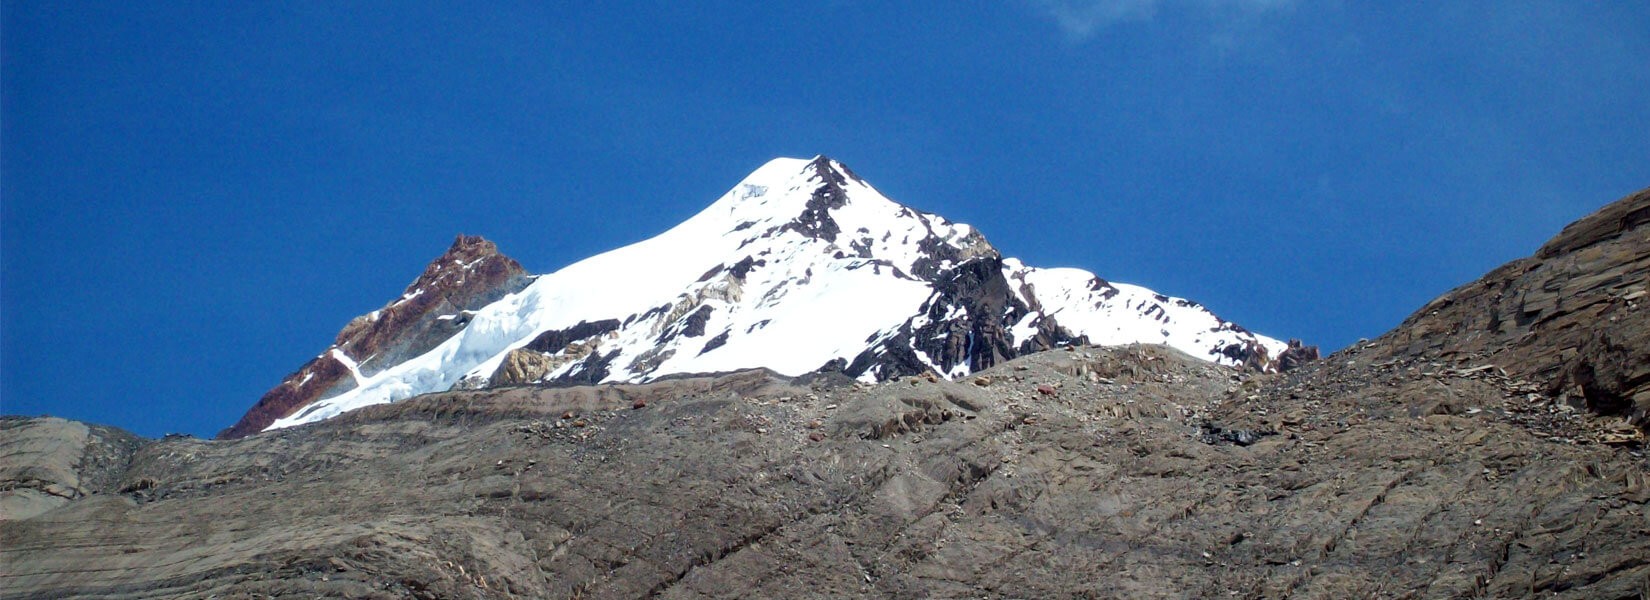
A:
815,220
963,325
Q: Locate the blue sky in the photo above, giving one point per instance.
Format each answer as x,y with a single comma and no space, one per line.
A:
198,195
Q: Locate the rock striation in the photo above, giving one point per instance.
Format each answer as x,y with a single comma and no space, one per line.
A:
1486,448
1574,318
46,463
1133,472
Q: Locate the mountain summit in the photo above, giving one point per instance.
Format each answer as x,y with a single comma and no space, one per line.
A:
801,267
1492,446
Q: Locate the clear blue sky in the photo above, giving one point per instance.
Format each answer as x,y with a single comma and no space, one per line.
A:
198,195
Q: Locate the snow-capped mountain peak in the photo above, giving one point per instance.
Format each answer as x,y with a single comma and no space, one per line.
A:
800,267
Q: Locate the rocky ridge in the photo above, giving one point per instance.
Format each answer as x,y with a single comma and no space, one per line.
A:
1399,468
470,274
802,267
1095,472
1573,320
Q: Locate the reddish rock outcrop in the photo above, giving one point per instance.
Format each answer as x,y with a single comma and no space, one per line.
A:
469,275
313,381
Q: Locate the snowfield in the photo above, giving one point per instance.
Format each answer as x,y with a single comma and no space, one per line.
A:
798,265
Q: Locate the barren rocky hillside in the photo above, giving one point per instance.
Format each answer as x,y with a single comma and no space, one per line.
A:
1465,454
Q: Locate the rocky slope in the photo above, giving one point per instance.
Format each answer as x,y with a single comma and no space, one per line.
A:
469,275
1122,472
801,267
1408,467
1574,318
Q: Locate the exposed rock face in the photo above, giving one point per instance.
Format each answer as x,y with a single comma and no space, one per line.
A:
1250,356
815,220
1440,460
1574,318
318,378
41,466
469,275
548,352
46,463
522,366
963,327
1296,356
1123,472
802,264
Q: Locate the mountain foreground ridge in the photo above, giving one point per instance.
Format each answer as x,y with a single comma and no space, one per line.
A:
801,267
1491,446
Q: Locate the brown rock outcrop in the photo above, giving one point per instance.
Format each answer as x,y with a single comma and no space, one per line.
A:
1424,464
1296,355
48,462
469,275
1149,475
1575,317
522,366
549,351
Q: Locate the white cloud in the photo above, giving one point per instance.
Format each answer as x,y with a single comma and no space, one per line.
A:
1082,19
